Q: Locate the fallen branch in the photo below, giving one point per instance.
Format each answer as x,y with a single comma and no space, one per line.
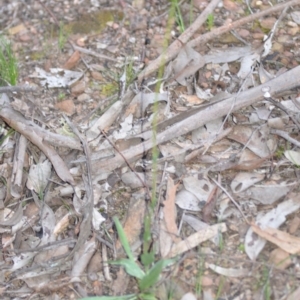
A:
286,81
24,88
175,47
39,137
220,30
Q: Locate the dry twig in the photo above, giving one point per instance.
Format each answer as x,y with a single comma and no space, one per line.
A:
37,136
174,48
176,45
286,81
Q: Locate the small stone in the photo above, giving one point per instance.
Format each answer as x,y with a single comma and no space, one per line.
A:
113,48
230,5
244,33
83,97
78,88
292,24
115,26
97,75
67,106
277,47
268,23
26,37
258,36
294,225
81,42
283,39
132,40
293,31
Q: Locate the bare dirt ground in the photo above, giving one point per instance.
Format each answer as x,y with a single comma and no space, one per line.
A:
185,113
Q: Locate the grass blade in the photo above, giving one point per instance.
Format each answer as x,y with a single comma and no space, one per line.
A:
123,238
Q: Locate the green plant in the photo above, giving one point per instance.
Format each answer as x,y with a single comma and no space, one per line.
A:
210,21
280,151
146,277
130,73
61,96
62,37
178,15
6,135
8,64
241,248
221,241
265,283
201,269
220,287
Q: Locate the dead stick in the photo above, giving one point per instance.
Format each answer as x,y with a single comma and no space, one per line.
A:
24,88
218,31
177,45
286,81
174,49
128,164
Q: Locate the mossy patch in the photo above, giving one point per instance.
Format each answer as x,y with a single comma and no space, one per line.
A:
93,23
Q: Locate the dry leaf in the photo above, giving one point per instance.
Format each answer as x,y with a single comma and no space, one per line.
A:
274,218
285,241
229,272
170,210
197,238
72,61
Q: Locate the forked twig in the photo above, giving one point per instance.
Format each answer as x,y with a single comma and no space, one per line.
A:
230,197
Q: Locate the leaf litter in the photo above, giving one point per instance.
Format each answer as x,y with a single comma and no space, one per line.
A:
227,167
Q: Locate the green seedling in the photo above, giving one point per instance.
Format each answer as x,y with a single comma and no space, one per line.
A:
241,248
210,21
221,241
61,96
265,283
220,287
175,10
8,64
146,278
279,152
62,37
3,136
200,273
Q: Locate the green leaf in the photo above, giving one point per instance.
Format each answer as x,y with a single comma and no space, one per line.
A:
127,297
123,238
152,276
131,267
147,258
